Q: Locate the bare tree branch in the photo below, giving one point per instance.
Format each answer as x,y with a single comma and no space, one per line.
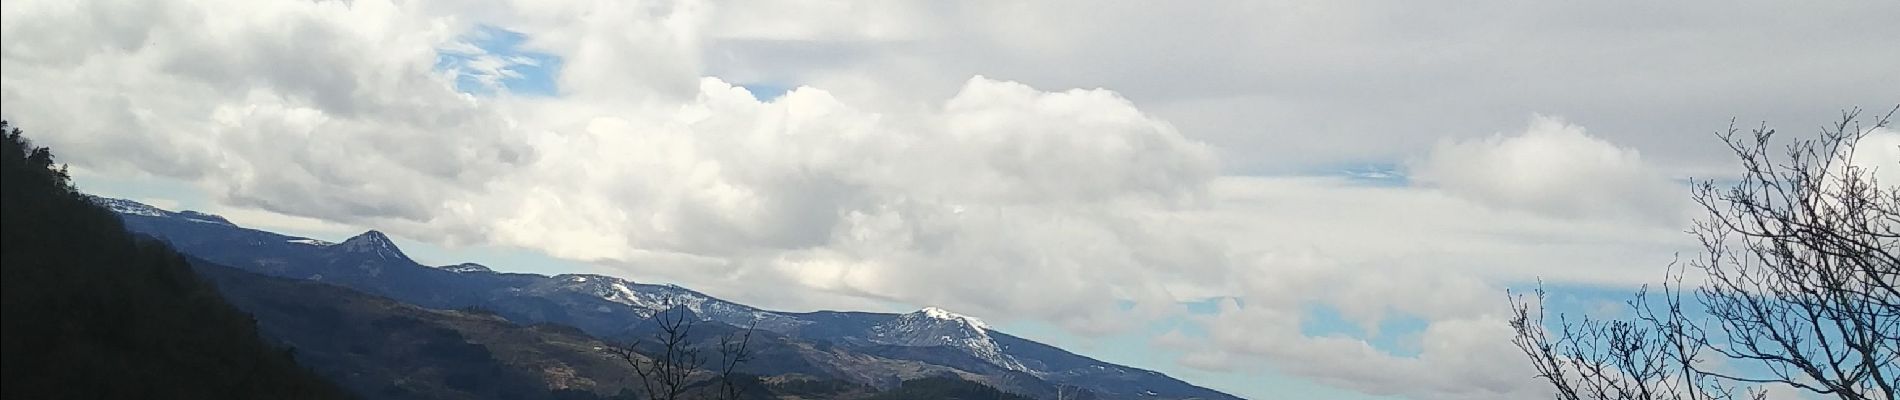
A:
667,371
1795,287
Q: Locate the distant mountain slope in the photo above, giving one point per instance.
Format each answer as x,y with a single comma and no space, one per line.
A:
381,348
90,312
385,349
874,349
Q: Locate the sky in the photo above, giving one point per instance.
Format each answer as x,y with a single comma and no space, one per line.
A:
1323,199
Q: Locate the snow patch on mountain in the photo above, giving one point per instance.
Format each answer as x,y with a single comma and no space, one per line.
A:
309,241
466,268
128,207
646,300
195,216
933,326
946,315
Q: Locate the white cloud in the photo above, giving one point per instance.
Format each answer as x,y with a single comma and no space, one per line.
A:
307,108
1879,154
1555,168
1285,85
1006,200
1464,350
1300,225
1378,253
280,223
894,176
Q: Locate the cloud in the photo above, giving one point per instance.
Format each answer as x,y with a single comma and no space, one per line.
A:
1279,86
997,201
1464,351
1379,253
1555,168
304,108
1003,199
936,154
1878,154
489,60
637,53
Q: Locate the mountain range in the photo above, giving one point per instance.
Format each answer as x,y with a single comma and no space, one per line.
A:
572,315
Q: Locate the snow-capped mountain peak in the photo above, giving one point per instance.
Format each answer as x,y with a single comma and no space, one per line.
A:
372,243
942,314
934,326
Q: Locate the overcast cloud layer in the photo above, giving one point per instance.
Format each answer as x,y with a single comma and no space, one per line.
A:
1049,162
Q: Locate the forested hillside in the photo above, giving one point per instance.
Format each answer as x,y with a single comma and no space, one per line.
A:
945,388
92,312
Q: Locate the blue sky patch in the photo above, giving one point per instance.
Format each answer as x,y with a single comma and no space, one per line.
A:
766,91
490,61
1398,333
1379,174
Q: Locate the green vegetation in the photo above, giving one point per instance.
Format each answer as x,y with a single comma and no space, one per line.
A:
816,388
93,312
945,388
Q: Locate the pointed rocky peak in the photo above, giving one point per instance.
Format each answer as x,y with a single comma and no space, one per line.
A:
466,268
374,244
369,237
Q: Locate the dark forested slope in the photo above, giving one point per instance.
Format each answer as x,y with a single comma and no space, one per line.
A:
93,312
385,349
945,388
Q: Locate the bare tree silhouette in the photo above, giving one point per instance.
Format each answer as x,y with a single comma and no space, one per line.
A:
667,372
734,351
1795,287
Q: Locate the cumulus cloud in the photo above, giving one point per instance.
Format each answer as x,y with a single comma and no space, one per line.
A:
307,108
1004,199
900,173
1556,168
